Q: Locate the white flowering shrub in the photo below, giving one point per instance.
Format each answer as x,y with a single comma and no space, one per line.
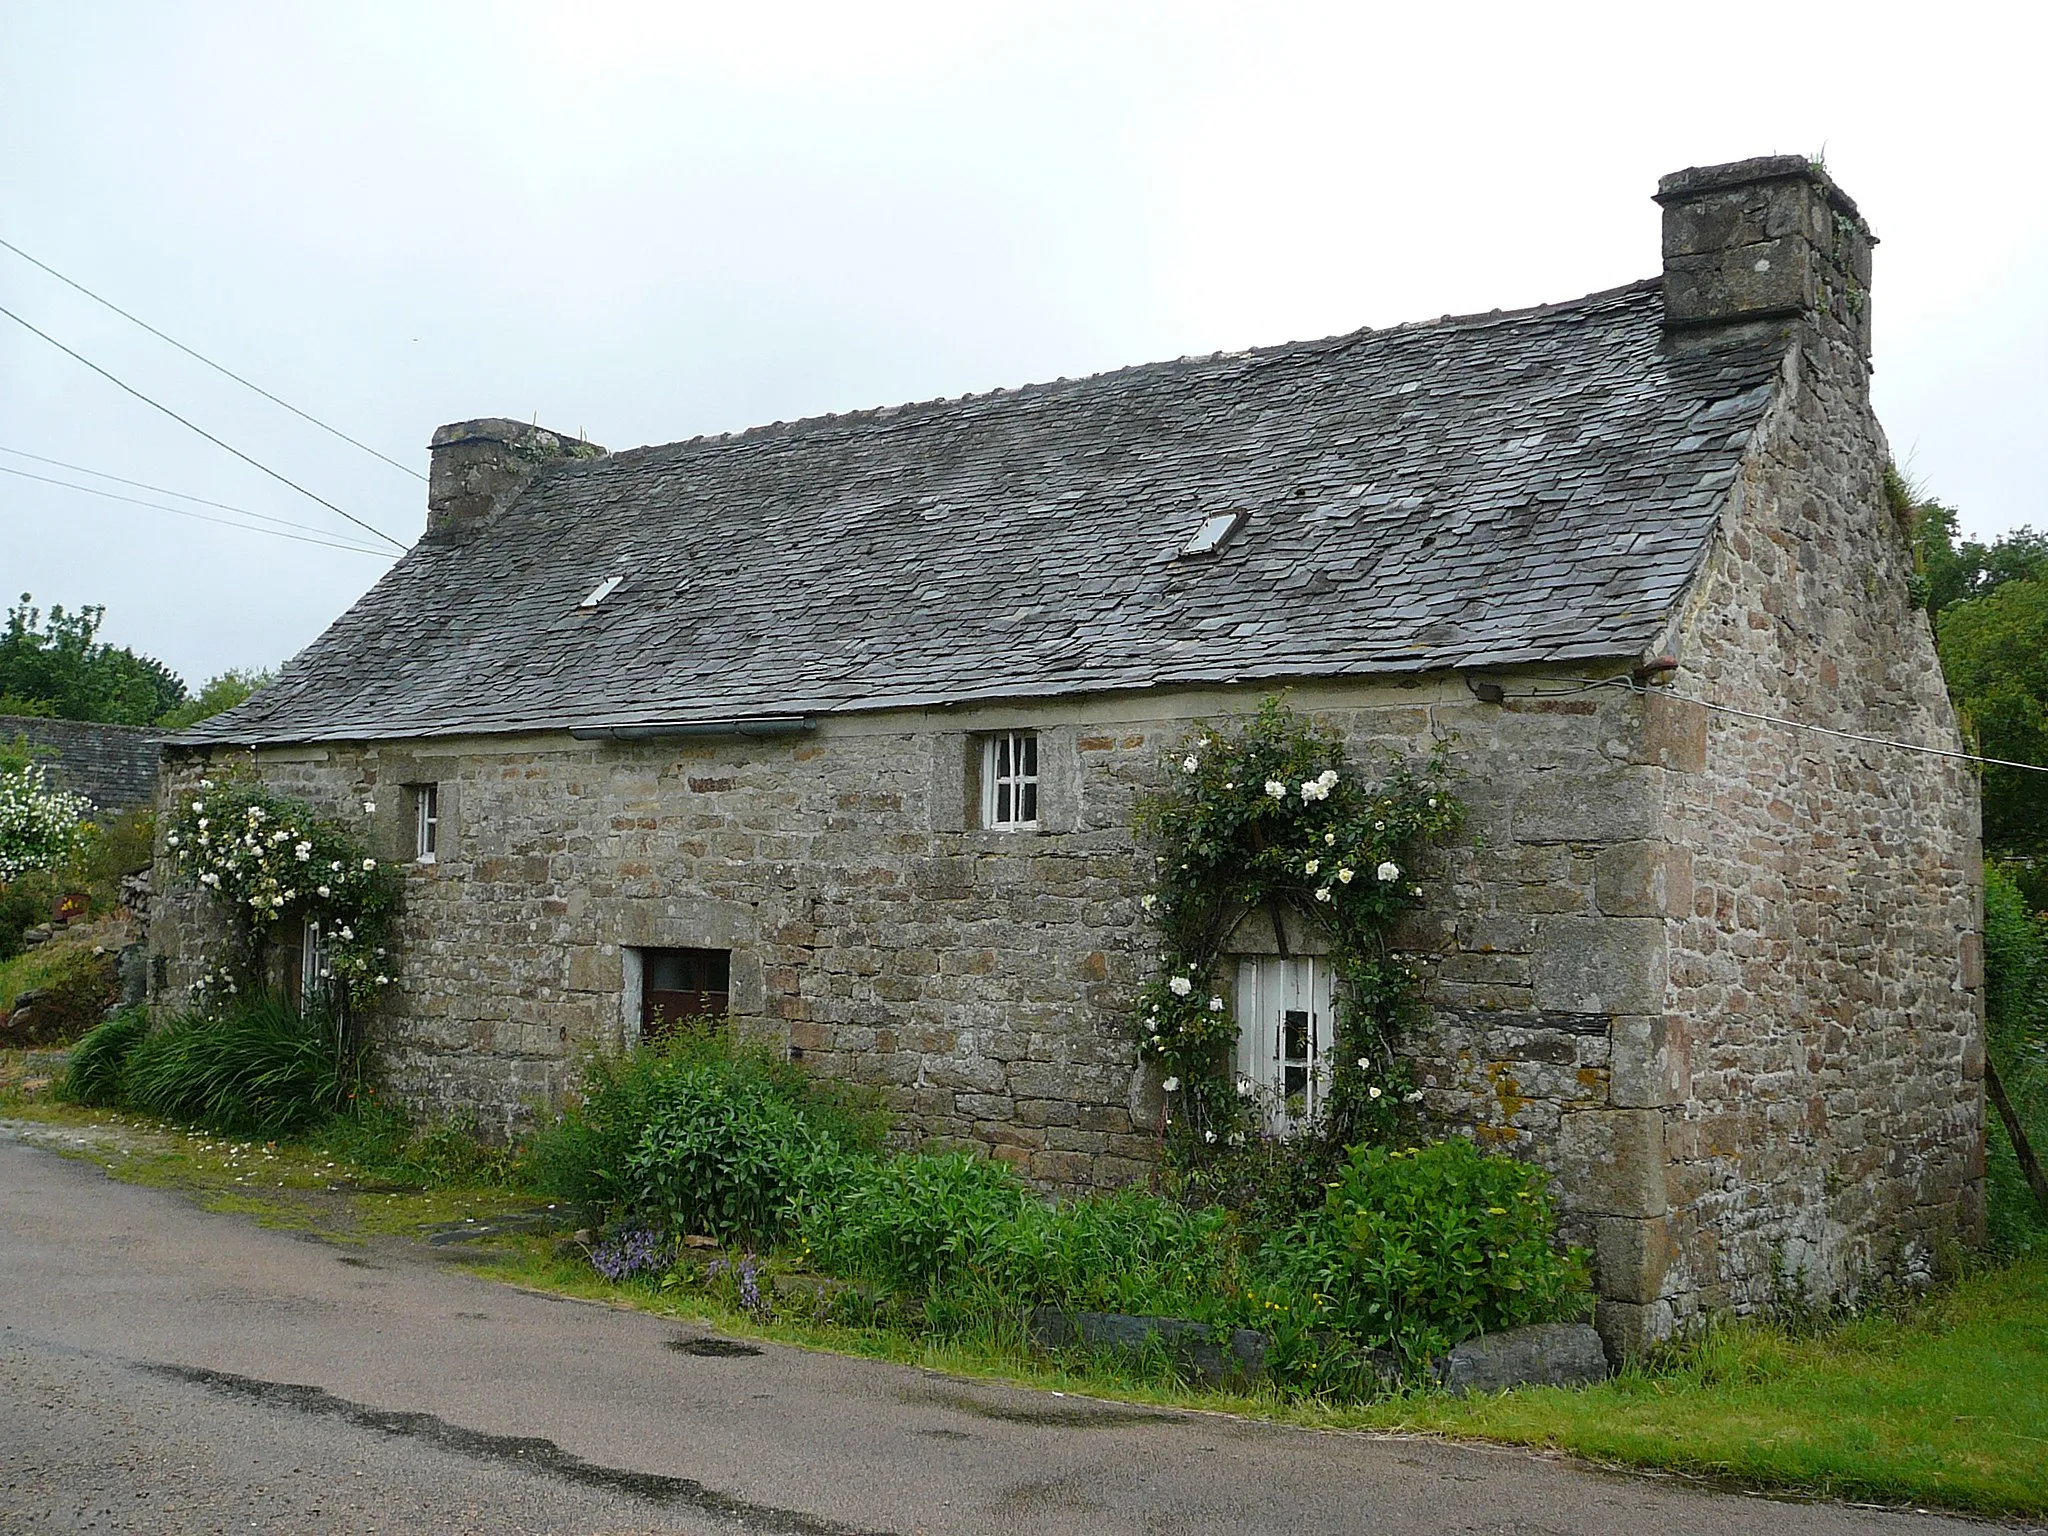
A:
1265,814
269,862
41,826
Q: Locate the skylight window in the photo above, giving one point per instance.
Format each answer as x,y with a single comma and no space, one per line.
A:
601,591
1215,532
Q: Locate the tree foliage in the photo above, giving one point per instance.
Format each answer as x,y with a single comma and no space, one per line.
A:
59,666
219,694
1989,606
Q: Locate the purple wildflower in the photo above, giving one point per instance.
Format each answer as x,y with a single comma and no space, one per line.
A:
625,1254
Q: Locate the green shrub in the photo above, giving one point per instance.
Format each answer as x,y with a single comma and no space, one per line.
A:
99,1061
260,1067
725,1153
2016,1035
701,1134
918,1222
24,903
1128,1251
1418,1249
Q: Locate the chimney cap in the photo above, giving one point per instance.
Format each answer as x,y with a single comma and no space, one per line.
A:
1695,180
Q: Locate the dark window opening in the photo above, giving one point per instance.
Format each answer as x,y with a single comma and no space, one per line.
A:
678,984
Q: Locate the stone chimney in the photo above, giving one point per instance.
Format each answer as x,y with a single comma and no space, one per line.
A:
480,467
1762,241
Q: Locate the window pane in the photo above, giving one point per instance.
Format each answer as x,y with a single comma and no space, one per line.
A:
1003,815
1028,793
1029,751
1003,769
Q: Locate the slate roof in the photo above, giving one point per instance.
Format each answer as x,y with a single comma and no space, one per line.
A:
1535,486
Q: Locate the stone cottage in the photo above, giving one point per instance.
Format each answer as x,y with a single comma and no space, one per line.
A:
838,724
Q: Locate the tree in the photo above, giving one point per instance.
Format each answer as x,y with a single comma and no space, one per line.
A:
59,667
221,692
1994,650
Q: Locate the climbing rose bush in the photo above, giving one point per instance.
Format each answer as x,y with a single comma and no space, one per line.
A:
41,827
268,861
1265,814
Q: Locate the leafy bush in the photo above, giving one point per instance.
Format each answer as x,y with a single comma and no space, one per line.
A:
259,1067
725,1153
23,904
1418,1249
94,1075
700,1133
2016,1030
917,1222
1128,1251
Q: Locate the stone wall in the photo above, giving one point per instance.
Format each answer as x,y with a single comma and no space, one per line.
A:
1815,1081
979,977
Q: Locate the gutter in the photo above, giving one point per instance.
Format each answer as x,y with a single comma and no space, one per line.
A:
760,725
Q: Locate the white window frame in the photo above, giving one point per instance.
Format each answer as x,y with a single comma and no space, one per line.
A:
1268,989
1014,749
314,982
426,822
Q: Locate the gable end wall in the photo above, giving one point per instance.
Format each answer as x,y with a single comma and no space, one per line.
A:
1823,1027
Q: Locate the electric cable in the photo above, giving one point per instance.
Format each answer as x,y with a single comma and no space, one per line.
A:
1645,690
202,357
144,485
325,543
194,427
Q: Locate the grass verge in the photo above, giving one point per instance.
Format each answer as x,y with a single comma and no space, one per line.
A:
1942,1402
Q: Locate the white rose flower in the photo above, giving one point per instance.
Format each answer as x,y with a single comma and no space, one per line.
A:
323,890
1180,986
347,932
1329,839
1344,875
1311,866
1323,893
1171,1085
172,839
1328,779
1276,789
1210,1137
1412,1098
1373,1092
369,864
1215,1005
1388,872
369,807
1432,802
199,805
1364,1063
1244,1087
204,821
382,978
206,783
1190,763
1148,902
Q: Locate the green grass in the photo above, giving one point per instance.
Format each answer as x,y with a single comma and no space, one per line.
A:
1942,1402
44,967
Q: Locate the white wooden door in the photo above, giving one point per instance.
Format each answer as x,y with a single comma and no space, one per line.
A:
1283,1035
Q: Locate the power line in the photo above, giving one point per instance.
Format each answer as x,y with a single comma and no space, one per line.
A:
1796,725
144,485
202,357
357,549
193,426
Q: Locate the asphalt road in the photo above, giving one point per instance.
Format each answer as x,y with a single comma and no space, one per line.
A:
165,1369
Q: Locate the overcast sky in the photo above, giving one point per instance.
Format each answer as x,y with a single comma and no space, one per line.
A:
651,221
